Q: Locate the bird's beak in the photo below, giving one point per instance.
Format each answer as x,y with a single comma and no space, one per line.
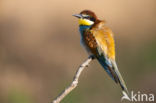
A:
78,15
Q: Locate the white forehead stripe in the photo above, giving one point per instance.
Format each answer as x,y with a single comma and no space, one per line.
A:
85,15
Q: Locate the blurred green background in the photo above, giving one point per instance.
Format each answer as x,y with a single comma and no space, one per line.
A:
40,50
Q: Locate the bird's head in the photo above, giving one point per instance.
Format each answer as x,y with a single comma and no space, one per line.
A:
86,17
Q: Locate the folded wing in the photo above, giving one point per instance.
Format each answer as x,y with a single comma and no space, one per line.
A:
106,54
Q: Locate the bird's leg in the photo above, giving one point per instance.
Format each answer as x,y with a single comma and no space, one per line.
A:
91,57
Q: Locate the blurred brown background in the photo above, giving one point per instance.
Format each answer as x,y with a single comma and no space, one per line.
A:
40,50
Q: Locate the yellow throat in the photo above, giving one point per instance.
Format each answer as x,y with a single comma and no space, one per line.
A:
85,22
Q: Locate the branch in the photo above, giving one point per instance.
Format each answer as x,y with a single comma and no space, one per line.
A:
74,83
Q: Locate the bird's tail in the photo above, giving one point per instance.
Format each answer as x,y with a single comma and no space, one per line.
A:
112,69
120,79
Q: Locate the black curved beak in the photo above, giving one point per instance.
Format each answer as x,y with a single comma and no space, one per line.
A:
78,15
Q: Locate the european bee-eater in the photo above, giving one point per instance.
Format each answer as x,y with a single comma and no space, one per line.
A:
98,40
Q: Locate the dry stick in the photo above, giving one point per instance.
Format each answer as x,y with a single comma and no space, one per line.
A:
75,80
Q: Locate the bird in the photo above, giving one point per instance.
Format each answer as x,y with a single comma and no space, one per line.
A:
98,41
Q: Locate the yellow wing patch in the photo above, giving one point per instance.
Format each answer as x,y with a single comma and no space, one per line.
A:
104,39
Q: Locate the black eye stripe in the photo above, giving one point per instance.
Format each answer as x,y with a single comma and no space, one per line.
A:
87,17
91,18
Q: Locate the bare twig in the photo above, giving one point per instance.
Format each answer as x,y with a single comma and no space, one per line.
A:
75,80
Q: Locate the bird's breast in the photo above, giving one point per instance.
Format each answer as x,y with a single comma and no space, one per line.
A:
89,41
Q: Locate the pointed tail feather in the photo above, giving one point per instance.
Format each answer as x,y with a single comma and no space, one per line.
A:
121,81
112,69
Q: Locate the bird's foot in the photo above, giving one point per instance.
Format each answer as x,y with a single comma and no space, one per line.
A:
92,56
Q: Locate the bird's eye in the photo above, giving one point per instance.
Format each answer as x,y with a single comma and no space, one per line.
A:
87,17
